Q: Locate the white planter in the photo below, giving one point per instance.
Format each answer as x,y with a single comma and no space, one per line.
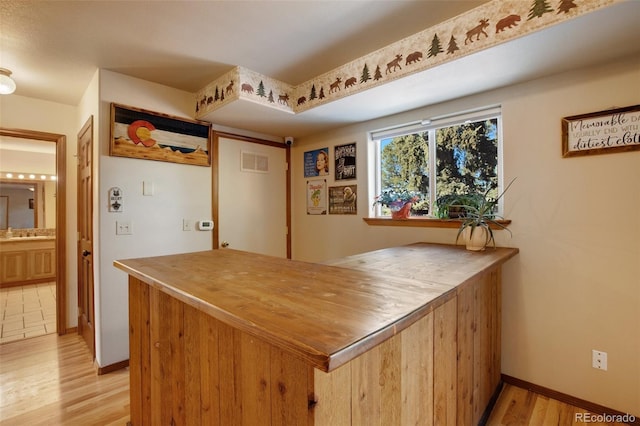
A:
477,240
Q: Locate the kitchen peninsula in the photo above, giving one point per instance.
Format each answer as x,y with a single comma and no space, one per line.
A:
398,336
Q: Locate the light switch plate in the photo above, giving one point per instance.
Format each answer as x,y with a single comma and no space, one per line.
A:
124,227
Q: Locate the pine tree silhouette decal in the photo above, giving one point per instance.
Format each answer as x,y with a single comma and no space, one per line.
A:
566,5
313,94
435,46
322,92
453,46
539,8
378,74
261,91
222,95
216,97
270,98
365,74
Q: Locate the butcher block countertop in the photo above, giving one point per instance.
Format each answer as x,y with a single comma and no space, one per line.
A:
329,313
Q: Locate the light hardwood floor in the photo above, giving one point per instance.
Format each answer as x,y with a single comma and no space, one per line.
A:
517,406
50,380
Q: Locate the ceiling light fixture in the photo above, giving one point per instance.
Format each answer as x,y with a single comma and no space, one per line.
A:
7,85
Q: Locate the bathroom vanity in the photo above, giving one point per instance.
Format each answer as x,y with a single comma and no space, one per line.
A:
27,260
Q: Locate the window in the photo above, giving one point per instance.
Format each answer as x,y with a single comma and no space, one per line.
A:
433,159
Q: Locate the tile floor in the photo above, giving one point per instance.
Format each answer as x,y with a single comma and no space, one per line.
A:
27,311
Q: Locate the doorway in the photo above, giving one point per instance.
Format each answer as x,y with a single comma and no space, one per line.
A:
251,186
59,256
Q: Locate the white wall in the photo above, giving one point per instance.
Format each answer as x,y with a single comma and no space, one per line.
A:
180,191
20,112
575,285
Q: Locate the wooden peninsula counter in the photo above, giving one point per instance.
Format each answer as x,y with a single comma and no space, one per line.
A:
401,336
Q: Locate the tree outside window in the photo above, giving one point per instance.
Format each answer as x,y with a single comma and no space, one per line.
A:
465,160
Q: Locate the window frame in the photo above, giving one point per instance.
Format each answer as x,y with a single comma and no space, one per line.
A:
431,126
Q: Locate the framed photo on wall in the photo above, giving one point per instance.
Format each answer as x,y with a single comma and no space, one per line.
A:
345,161
316,163
137,133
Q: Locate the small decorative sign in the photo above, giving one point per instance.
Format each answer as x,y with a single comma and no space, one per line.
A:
345,160
614,130
115,200
316,163
317,196
342,199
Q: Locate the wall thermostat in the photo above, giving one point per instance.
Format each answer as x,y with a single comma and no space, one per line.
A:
205,225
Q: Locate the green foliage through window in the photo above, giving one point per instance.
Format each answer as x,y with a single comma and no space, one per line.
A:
466,161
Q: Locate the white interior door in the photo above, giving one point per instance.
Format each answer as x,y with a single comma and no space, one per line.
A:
252,207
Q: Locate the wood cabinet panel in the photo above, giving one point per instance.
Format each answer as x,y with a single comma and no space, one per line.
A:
14,266
193,369
41,264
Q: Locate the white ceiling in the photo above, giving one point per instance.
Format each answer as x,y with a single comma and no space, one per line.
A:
54,48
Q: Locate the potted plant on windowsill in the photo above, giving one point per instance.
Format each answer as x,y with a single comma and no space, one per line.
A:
398,202
475,228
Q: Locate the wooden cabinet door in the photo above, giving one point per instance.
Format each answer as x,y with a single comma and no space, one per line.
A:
14,266
42,264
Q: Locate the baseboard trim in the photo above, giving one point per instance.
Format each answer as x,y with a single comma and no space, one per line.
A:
113,367
567,399
492,403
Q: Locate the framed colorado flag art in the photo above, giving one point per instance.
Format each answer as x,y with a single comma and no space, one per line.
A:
137,133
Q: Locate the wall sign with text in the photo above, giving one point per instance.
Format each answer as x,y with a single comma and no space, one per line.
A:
345,161
602,132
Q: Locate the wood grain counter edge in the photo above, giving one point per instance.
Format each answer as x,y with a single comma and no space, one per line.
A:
323,361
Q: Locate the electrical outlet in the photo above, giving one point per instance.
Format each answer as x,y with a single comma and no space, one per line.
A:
187,225
124,228
599,360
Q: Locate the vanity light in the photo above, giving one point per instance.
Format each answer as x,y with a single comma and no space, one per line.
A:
7,85
27,176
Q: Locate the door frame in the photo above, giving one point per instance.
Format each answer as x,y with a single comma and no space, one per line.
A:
215,180
61,215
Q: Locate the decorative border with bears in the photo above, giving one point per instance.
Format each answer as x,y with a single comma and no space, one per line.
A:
488,25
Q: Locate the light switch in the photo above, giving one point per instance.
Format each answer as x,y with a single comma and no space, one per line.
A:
124,228
147,187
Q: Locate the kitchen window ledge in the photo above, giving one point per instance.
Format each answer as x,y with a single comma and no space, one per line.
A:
423,222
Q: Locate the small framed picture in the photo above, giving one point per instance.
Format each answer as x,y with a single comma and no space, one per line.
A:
345,161
317,196
316,163
342,199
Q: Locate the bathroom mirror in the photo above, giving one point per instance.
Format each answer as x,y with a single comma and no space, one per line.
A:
21,204
27,184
